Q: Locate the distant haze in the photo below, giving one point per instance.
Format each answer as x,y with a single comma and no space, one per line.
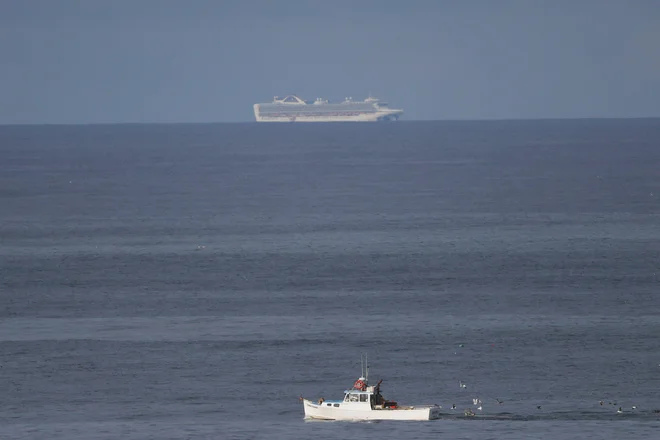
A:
66,61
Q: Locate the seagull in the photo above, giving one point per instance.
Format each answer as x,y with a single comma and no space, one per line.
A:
453,406
500,401
601,403
619,410
538,406
479,407
634,407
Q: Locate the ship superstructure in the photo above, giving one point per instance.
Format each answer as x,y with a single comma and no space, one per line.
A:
293,109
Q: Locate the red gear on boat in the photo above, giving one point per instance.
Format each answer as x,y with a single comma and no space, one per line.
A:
360,385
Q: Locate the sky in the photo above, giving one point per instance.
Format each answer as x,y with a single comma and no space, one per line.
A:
108,61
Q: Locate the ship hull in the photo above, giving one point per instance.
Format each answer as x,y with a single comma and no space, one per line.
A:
357,118
322,412
366,111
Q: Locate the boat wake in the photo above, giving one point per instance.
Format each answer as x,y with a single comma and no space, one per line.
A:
559,415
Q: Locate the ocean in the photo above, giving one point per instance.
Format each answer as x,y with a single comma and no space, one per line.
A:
191,281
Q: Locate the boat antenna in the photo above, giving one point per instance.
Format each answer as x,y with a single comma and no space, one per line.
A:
361,365
366,363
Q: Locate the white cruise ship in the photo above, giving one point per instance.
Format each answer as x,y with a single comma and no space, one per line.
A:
293,109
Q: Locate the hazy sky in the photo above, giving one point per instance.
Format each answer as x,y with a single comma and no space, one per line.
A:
66,61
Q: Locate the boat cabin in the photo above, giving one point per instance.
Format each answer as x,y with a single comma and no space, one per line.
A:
362,395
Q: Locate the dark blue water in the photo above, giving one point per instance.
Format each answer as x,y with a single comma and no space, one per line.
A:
191,281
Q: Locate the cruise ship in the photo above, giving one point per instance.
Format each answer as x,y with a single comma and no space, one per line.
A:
293,109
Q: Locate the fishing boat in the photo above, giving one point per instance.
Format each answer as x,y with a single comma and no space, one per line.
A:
365,402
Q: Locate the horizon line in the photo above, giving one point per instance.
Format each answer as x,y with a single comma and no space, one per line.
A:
33,124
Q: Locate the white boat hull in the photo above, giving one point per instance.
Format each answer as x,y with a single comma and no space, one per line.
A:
344,412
